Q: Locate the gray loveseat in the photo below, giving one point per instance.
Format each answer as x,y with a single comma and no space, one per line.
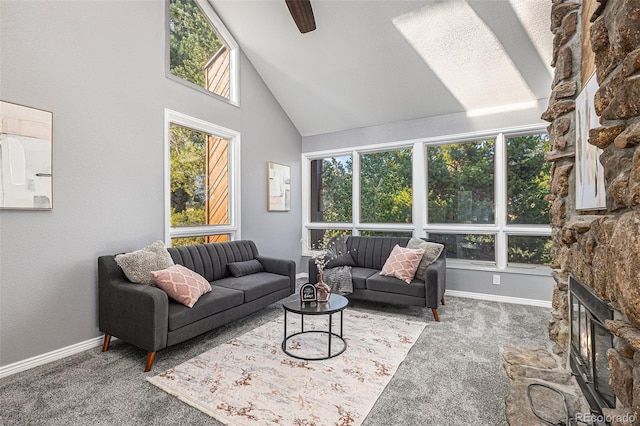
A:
367,257
146,317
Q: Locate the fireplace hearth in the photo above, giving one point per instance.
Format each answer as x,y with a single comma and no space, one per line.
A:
590,341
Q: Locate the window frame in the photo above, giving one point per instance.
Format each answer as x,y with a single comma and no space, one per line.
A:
234,54
419,226
233,228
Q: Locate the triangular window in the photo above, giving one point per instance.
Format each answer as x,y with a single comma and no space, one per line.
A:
201,50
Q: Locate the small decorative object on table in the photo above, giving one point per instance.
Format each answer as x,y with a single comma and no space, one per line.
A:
323,291
322,254
308,294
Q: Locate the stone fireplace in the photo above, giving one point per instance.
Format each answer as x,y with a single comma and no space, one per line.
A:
589,343
599,249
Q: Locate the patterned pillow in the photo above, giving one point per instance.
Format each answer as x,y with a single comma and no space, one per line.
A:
181,284
137,265
402,263
239,269
431,253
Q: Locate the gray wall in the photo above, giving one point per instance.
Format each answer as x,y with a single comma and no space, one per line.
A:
99,67
444,125
514,284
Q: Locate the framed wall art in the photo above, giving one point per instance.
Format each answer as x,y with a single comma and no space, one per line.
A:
278,187
590,189
26,147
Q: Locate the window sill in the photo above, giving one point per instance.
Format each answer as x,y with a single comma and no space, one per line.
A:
541,270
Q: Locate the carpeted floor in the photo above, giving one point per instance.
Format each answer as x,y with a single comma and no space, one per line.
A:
453,375
250,381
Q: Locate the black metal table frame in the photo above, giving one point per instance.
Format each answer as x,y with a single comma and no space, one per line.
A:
302,331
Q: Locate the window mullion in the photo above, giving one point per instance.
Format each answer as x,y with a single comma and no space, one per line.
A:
500,198
419,207
355,194
307,193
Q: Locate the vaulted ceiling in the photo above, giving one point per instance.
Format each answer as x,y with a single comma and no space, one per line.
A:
383,61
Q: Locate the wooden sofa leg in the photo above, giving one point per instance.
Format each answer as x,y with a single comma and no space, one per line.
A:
105,345
435,314
150,357
442,300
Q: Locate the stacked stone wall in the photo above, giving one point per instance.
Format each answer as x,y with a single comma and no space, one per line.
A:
599,248
565,19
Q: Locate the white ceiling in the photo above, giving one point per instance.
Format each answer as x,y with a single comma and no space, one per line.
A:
372,62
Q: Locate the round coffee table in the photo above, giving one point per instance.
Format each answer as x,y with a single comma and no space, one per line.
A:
335,304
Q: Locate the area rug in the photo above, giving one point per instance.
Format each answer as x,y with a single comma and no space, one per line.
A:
249,380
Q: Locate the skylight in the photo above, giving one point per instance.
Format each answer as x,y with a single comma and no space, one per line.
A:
465,55
534,16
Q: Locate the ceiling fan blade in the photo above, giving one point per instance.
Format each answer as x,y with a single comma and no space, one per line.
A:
302,14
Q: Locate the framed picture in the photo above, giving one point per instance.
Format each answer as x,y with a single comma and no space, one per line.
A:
278,187
590,189
308,293
26,146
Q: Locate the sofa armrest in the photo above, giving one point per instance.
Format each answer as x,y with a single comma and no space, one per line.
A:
135,313
280,267
436,282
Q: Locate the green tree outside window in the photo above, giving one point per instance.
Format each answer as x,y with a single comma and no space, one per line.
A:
460,183
386,187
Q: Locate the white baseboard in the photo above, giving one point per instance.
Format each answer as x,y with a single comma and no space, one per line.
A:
302,275
38,360
495,298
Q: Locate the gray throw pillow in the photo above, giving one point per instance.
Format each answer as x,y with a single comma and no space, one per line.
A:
137,265
431,253
341,260
239,269
341,255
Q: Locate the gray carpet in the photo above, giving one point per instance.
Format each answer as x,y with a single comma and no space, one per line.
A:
452,376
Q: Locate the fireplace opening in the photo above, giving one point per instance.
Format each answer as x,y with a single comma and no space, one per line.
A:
590,341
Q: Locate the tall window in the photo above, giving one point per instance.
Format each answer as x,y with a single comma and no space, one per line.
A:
331,200
201,51
460,190
527,179
482,198
385,187
460,182
528,175
201,187
332,180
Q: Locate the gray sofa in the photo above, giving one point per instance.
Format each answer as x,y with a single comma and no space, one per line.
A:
146,317
367,255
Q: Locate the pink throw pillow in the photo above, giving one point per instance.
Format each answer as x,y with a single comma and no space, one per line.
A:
181,284
402,263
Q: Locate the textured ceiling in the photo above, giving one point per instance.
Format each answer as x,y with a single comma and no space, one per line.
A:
378,62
